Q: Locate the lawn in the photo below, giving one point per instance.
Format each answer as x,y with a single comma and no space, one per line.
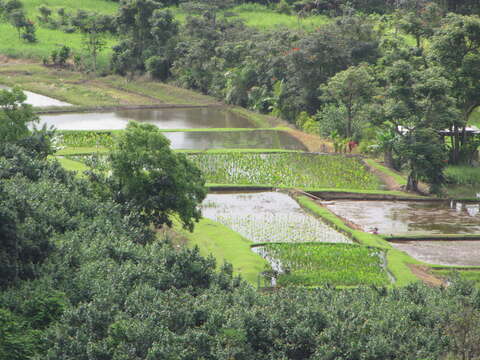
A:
263,18
226,246
286,170
326,264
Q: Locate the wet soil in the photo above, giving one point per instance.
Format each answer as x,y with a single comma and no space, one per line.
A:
449,253
410,217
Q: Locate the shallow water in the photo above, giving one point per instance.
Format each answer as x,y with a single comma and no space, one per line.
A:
259,139
452,253
180,118
39,100
410,217
268,217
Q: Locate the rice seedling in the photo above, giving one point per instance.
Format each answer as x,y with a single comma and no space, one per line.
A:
268,217
292,170
325,264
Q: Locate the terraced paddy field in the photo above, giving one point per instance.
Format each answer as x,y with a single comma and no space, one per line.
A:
449,253
257,139
325,264
266,217
174,118
286,170
410,217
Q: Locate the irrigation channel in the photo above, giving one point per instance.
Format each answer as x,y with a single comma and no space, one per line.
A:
300,248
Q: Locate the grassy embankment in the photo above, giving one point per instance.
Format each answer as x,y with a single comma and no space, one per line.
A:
213,238
399,179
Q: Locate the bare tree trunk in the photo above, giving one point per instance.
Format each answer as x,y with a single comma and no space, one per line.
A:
412,182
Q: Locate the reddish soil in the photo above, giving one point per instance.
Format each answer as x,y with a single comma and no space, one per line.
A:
388,180
423,274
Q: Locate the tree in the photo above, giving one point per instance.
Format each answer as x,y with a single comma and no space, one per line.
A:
421,22
94,28
351,89
15,116
149,177
134,25
417,104
456,48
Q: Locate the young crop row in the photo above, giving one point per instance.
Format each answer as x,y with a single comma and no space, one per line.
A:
288,169
268,217
325,264
73,138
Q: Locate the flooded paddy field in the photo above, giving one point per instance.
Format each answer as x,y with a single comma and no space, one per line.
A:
38,100
178,118
259,139
410,217
451,253
265,217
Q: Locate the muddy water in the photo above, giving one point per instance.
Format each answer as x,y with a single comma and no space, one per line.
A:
453,253
191,118
259,139
39,100
410,217
268,217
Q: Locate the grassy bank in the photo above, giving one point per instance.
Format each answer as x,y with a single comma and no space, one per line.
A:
226,245
399,179
88,91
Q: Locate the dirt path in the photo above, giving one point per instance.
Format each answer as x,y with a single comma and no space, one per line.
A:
428,279
388,180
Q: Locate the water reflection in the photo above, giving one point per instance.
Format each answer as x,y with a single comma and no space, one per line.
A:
260,139
410,217
179,118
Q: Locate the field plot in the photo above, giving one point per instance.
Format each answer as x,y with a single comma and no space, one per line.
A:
410,217
451,253
322,264
265,217
292,170
182,118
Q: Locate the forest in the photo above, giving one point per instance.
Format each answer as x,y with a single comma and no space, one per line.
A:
90,268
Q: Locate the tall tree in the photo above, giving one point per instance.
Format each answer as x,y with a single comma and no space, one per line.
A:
415,105
456,48
351,89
